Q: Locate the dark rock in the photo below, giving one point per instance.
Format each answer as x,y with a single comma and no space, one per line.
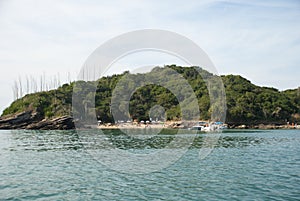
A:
31,120
59,123
19,120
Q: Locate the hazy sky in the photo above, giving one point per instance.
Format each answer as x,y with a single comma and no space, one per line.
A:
258,39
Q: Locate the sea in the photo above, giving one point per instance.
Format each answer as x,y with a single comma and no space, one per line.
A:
113,165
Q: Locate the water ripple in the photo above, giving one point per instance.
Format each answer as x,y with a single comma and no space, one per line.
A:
54,165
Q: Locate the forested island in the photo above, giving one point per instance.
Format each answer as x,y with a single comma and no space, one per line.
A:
247,104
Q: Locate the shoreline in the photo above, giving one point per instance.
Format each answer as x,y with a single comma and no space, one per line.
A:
30,120
186,125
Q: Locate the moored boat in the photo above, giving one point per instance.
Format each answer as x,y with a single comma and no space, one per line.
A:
207,127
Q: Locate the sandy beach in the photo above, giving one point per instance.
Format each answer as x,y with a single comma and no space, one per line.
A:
160,125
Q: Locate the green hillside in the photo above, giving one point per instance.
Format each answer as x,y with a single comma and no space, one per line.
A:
246,103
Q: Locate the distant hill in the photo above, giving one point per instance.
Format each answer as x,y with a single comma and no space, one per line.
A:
246,103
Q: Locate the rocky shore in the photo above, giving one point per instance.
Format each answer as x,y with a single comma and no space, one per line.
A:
32,121
265,126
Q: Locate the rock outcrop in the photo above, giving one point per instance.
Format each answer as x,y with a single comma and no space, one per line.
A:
59,123
32,120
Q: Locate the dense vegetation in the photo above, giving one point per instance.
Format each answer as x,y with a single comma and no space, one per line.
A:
246,102
48,104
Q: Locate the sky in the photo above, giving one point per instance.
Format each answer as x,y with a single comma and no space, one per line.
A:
259,40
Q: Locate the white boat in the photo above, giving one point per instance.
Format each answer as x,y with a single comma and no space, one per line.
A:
198,128
207,127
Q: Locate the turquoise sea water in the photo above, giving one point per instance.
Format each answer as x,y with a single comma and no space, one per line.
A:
244,165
